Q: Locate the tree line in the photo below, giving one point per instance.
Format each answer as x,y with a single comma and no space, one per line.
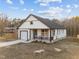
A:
6,22
71,24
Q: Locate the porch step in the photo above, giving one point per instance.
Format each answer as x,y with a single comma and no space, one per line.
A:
46,41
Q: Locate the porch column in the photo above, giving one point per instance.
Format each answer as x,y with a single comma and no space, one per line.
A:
30,34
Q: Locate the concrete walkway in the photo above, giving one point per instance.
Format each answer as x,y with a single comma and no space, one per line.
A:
3,44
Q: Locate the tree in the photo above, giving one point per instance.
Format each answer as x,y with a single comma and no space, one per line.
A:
57,21
3,23
72,26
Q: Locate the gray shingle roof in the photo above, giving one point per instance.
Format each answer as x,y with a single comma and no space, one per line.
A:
47,22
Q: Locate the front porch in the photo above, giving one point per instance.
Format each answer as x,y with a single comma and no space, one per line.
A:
45,35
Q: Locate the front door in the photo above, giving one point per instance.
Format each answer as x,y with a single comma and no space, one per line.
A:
24,35
34,33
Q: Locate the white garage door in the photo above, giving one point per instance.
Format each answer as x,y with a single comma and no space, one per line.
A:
24,35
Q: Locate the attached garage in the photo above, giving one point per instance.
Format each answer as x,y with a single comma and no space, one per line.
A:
24,35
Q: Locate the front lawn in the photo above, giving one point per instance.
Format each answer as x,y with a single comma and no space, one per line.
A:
70,50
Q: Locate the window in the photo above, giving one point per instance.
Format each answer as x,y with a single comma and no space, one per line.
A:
58,31
53,32
31,22
44,32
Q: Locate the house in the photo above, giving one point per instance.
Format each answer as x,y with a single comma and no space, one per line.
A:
12,26
10,29
41,29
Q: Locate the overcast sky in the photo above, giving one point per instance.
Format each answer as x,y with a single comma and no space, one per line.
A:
45,8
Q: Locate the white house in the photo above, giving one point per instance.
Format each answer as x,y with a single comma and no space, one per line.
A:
41,29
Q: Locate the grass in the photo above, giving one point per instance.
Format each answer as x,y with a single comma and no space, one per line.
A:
70,50
8,37
73,39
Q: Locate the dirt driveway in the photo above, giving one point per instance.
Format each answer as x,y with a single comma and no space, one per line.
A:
4,44
70,50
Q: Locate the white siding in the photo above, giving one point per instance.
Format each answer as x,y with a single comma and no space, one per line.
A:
60,33
31,34
36,24
49,33
38,32
52,33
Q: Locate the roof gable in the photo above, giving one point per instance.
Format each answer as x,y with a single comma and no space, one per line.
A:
47,22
